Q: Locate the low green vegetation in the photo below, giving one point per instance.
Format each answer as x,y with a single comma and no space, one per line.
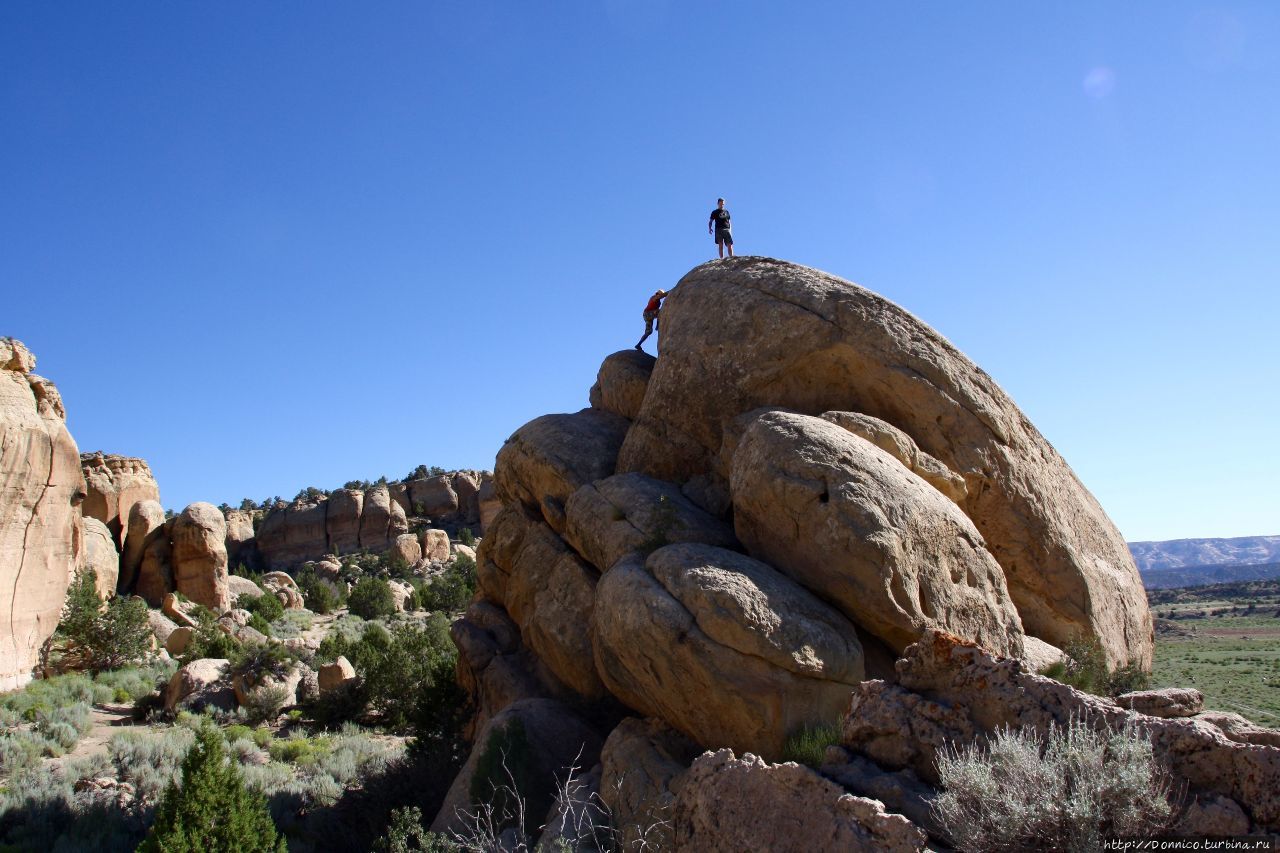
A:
99,637
452,590
1086,669
809,745
1224,640
371,598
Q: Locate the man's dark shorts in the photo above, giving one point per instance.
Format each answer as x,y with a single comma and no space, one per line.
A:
725,237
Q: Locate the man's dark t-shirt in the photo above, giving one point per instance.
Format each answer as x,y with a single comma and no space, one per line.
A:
720,216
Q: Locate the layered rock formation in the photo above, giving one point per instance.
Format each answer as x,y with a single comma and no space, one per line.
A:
41,531
734,536
115,484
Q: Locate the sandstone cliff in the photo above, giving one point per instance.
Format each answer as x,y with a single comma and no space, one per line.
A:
114,485
41,531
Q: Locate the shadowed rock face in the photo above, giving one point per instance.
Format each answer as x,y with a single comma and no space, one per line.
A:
754,332
115,484
41,531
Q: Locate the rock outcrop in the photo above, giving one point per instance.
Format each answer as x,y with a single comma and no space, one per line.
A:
748,333
115,484
100,556
41,531
200,556
145,519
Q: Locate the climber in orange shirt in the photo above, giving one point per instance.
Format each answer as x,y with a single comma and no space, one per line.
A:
651,315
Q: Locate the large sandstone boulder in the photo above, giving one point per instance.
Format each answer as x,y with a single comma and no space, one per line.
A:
338,675
293,534
375,518
200,556
549,592
747,333
489,503
494,667
406,548
241,542
41,528
466,485
850,521
551,457
285,588
626,513
145,518
621,382
155,573
239,587
642,765
204,683
343,520
728,804
722,647
434,545
100,555
114,484
433,497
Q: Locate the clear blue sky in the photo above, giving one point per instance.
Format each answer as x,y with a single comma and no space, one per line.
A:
273,245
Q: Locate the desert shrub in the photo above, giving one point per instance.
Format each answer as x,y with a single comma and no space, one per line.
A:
257,623
292,624
20,749
809,744
262,704
150,762
104,637
466,537
133,683
320,595
452,590
371,599
212,810
1067,791
256,661
266,605
407,834
1086,669
208,640
65,725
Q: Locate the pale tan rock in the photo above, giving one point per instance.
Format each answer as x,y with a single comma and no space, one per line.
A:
100,555
558,739
400,496
629,513
285,588
755,332
621,382
1165,702
337,675
179,611
145,518
850,522
41,528
200,556
155,573
343,520
1240,730
1213,816
433,497
161,626
1038,654
435,545
328,568
551,457
722,647
114,485
178,640
899,445
642,763
400,593
238,588
490,503
466,485
241,543
375,519
464,551
236,617
295,533
201,684
550,595
952,693
728,804
406,548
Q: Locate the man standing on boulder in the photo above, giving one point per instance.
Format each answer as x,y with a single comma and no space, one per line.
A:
724,232
651,315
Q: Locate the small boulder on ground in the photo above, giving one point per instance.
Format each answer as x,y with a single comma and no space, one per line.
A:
336,675
204,683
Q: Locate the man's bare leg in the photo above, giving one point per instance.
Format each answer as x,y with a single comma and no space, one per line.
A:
720,248
731,250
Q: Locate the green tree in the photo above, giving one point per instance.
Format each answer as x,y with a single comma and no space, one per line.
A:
105,637
371,598
212,810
